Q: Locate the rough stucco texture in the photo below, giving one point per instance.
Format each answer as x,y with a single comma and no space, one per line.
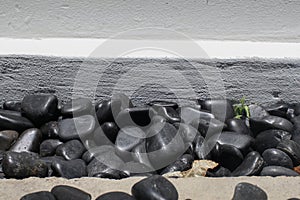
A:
261,81
206,19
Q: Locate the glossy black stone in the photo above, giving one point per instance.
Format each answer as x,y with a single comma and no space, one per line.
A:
137,116
49,160
7,138
76,128
239,126
188,114
292,149
258,125
269,139
29,140
208,128
257,111
221,108
42,195
247,191
163,145
12,105
154,187
251,165
108,110
218,171
276,157
277,171
111,130
77,107
278,109
65,192
70,150
183,163
115,196
48,147
69,169
23,165
40,109
100,138
50,130
12,120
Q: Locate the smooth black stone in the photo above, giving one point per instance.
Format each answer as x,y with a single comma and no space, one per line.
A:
107,166
239,126
258,125
278,109
94,152
69,169
76,128
48,147
164,145
169,113
7,138
70,150
188,114
139,154
257,111
218,171
65,192
12,105
154,187
227,156
115,196
137,116
77,107
183,163
40,109
50,130
269,139
241,142
29,140
108,110
276,157
277,171
12,120
129,137
23,165
160,103
137,169
221,108
187,132
292,149
247,191
42,195
293,199
49,160
111,130
208,128
251,165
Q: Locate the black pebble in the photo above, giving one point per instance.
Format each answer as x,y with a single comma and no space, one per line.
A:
29,140
70,150
42,195
251,165
48,147
247,191
154,187
64,192
277,157
277,171
77,107
12,120
69,169
115,196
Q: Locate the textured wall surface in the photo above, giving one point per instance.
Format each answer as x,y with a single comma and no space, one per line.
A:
205,19
261,81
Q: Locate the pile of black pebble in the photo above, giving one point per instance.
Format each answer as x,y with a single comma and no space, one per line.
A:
41,137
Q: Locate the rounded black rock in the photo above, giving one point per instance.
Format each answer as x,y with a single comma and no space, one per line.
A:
29,140
247,191
276,157
48,147
42,195
154,188
65,192
277,171
115,196
7,138
70,150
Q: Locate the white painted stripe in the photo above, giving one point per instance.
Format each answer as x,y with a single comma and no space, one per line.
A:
83,47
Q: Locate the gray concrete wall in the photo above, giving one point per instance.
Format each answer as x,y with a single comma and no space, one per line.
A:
261,81
264,20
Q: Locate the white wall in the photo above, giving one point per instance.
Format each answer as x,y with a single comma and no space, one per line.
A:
267,20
